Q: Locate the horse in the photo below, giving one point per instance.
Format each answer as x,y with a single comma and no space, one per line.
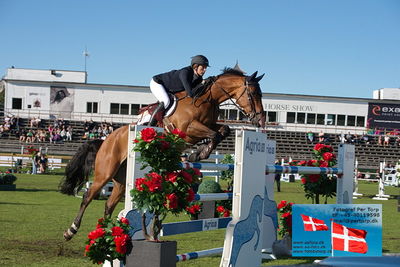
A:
197,117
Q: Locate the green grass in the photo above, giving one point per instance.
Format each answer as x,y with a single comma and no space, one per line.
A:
34,217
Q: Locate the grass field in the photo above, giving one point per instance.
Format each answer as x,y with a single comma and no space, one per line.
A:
34,217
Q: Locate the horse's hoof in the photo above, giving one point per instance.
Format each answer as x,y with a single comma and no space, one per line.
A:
194,157
67,237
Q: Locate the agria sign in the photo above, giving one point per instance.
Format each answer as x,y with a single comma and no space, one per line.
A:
254,146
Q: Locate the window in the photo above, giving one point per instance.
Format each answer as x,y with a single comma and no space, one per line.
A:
301,117
124,109
232,114
331,119
310,118
341,120
290,117
116,108
135,109
320,119
91,107
242,117
360,121
271,116
351,120
222,114
17,103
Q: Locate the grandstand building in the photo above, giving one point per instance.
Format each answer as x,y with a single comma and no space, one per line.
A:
51,94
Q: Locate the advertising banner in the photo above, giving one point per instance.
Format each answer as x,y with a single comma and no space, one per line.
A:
382,115
61,101
337,230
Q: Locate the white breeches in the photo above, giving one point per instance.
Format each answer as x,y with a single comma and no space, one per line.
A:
159,92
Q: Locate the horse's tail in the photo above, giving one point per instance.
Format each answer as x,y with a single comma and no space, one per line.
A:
79,168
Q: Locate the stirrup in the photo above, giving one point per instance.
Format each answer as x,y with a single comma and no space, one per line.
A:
153,121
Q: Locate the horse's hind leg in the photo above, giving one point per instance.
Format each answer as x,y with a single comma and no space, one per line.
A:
102,176
117,192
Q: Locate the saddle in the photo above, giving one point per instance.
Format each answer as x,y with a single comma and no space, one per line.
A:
147,112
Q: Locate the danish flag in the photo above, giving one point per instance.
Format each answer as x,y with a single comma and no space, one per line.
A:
313,224
348,239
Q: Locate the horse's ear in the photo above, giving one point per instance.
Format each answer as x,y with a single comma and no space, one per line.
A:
252,77
259,78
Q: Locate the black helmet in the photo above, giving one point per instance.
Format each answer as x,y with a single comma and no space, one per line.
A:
199,59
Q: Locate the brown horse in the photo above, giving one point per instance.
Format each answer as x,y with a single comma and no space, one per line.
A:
197,117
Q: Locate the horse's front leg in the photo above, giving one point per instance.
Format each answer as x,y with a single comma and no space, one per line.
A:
216,136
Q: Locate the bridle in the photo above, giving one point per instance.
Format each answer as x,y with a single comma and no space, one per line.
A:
250,99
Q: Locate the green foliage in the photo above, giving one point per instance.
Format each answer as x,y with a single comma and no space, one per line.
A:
316,185
108,241
209,186
228,175
167,187
7,178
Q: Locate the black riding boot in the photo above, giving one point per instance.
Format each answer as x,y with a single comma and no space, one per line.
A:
158,114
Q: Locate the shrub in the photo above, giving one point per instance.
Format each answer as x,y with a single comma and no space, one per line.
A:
7,178
209,186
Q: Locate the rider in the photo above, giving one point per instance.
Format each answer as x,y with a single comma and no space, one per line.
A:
185,79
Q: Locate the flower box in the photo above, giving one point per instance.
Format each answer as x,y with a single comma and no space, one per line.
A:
152,254
8,187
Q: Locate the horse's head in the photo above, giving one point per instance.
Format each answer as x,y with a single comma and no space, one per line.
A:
247,93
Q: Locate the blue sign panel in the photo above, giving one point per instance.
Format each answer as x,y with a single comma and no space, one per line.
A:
337,230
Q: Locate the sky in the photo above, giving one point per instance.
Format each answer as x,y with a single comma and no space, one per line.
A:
342,48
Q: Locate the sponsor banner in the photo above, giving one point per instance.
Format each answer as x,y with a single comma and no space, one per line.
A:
383,115
337,230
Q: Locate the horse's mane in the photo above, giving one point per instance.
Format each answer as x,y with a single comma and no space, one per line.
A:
227,70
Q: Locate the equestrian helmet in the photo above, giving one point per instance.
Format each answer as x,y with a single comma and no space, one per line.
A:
199,59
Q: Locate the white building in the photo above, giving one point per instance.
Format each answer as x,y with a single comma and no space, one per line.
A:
60,93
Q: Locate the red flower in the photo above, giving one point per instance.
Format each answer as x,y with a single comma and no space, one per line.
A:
227,213
328,156
303,180
124,220
139,182
117,231
187,176
120,243
319,146
172,201
220,209
180,133
282,204
323,163
164,145
87,248
135,140
100,223
96,233
155,182
196,171
193,209
314,178
312,162
172,177
286,214
190,196
302,163
148,134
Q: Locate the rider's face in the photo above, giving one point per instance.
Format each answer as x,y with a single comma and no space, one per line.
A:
200,70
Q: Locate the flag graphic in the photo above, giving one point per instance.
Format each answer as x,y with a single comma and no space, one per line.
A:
313,224
348,239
